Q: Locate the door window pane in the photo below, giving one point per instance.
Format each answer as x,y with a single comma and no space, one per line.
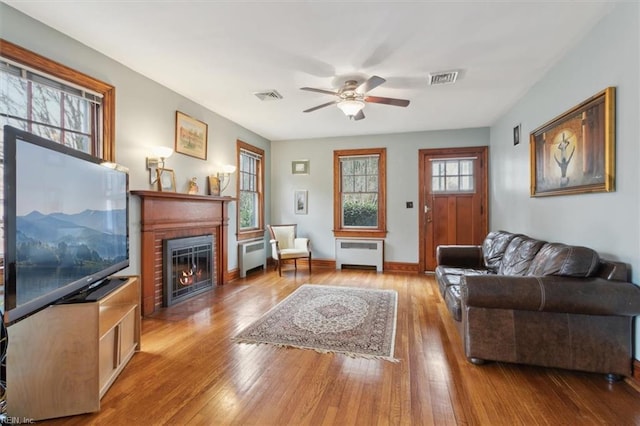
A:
452,175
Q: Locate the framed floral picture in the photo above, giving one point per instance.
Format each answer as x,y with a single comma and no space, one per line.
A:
191,136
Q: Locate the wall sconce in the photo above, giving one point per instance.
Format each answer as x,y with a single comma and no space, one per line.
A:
156,161
225,176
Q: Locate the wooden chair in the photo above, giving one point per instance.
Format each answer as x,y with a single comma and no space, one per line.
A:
286,245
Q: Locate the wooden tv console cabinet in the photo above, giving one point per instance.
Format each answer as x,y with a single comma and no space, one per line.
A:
63,359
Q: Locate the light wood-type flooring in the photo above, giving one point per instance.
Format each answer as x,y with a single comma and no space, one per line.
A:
189,372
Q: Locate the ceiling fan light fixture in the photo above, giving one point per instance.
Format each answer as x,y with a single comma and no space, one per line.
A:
350,107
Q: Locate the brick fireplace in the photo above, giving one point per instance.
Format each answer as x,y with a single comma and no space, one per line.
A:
171,215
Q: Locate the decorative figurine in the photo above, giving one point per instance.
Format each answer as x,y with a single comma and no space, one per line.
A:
193,186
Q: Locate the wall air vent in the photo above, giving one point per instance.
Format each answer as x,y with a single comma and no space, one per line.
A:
443,77
268,95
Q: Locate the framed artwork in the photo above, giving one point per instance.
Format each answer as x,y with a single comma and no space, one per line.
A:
166,180
191,136
574,153
214,186
516,135
300,167
300,202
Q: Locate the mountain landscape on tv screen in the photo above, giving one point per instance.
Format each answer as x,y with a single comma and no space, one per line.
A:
59,239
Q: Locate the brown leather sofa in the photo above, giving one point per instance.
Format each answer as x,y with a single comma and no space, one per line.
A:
522,300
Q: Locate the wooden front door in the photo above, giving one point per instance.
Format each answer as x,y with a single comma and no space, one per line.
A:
453,199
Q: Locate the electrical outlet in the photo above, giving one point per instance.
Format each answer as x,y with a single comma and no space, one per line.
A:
409,204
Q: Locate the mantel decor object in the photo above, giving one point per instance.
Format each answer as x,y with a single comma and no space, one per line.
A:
193,186
575,152
191,136
166,180
214,186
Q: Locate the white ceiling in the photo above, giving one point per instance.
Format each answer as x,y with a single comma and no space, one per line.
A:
218,53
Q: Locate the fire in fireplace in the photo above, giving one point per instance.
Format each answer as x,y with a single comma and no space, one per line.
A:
189,268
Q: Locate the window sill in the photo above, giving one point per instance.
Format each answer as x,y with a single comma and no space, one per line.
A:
249,235
360,233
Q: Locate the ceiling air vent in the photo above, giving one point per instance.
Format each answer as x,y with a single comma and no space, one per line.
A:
268,95
443,77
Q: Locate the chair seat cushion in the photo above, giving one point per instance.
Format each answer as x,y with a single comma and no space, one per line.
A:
293,253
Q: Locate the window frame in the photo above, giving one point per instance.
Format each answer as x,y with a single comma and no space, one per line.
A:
339,230
33,60
259,231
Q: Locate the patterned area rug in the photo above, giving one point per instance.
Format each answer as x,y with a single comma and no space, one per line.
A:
356,322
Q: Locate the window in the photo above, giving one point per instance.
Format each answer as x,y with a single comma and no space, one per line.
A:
47,108
56,102
250,191
360,192
452,175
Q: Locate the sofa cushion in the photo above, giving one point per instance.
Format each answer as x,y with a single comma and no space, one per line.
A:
453,301
563,260
447,276
448,280
493,248
519,254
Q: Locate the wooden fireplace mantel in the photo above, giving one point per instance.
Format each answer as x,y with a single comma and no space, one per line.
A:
166,215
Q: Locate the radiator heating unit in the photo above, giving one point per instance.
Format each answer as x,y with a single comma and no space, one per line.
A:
360,252
251,254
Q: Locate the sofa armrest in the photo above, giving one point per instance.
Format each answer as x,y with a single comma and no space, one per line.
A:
589,296
460,256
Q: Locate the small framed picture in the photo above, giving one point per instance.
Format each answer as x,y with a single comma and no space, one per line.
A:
300,202
516,135
214,186
300,167
191,136
166,180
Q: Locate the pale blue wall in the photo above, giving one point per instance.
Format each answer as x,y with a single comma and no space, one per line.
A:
608,56
145,117
401,244
607,222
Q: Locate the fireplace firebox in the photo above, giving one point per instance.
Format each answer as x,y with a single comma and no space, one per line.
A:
189,267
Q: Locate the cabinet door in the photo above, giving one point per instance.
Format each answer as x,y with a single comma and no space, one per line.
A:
128,341
108,358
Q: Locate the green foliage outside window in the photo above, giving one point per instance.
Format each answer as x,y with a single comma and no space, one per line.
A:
248,209
360,213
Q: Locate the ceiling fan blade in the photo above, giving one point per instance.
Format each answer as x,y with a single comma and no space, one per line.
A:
312,89
359,115
370,84
387,101
320,106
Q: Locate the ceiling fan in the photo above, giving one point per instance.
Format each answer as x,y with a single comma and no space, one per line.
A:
352,97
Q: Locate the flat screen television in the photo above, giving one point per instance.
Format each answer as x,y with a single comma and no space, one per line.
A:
65,222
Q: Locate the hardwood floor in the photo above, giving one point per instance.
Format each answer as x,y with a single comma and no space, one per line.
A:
189,372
